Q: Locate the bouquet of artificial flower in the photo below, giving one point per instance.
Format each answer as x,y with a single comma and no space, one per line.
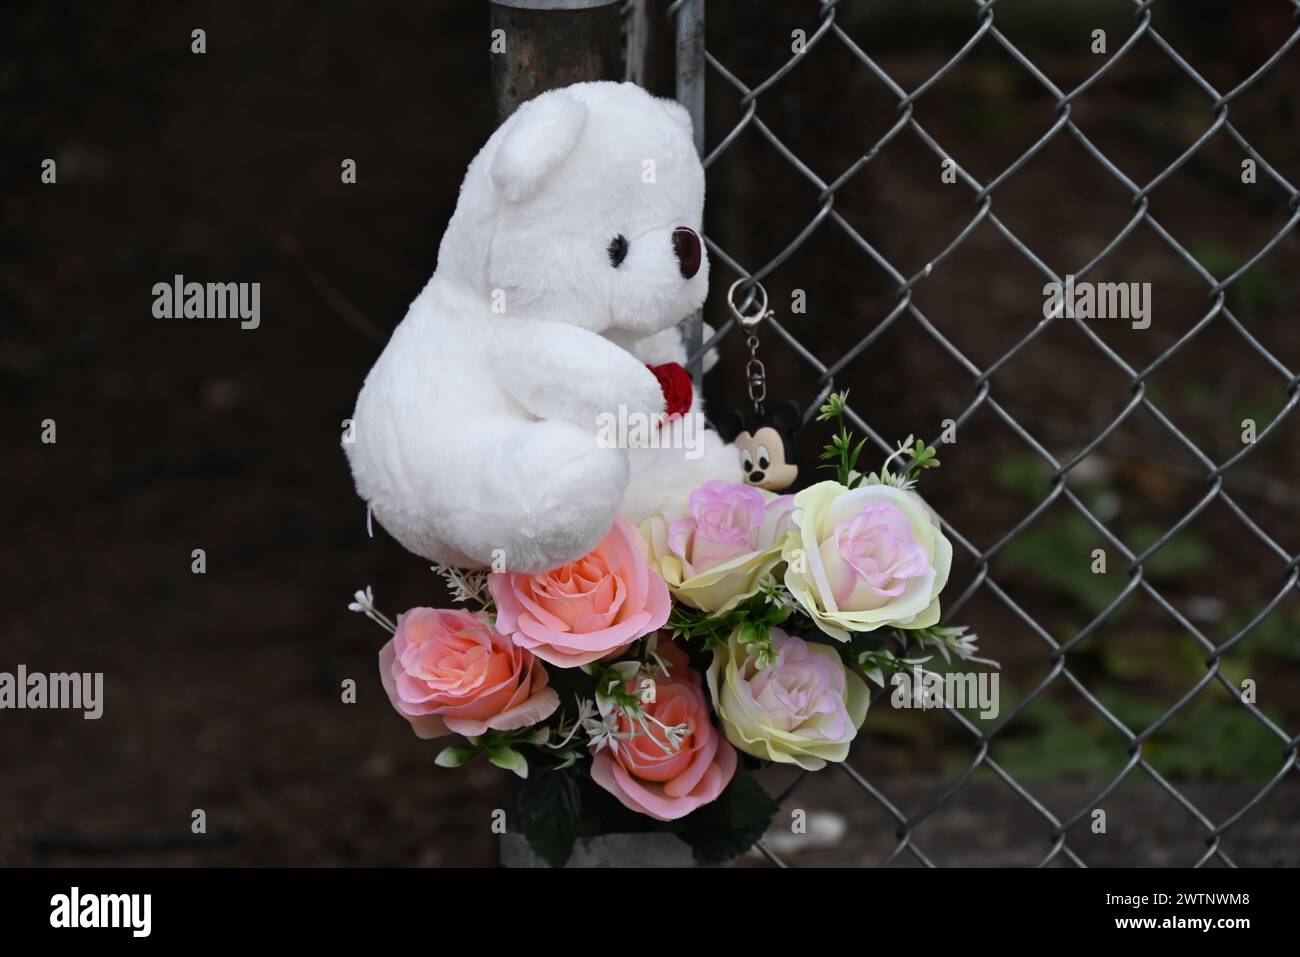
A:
639,686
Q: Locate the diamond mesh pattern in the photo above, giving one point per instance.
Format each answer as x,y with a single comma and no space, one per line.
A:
982,393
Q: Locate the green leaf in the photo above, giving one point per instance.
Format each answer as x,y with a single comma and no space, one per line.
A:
723,830
753,631
454,757
853,459
509,759
548,815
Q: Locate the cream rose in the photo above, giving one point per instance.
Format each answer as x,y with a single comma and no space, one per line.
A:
720,553
865,558
804,708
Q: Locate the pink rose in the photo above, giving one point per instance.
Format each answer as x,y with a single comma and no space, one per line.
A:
646,775
587,609
450,671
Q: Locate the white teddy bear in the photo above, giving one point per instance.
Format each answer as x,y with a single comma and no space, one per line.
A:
573,254
685,455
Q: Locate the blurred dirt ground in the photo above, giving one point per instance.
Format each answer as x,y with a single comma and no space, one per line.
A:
223,690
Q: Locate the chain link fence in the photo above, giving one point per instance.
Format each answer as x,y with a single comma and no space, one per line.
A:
701,62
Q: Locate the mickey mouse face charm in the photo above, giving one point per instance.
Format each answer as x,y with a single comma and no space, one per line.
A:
766,444
763,457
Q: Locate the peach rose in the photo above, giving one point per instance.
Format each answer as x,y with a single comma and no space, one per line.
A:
451,672
587,609
646,775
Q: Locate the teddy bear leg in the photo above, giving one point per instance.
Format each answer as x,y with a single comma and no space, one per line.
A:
662,479
546,494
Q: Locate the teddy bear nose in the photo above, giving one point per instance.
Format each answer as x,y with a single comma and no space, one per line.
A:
687,247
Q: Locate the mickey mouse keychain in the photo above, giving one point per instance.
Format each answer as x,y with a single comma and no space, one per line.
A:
766,439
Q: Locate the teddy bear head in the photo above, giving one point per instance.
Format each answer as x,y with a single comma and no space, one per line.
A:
585,207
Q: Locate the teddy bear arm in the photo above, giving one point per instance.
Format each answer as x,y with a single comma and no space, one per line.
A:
568,374
669,345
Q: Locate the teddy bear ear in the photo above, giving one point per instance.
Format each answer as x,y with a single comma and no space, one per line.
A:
538,137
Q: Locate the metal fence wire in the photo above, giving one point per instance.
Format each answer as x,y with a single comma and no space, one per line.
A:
696,60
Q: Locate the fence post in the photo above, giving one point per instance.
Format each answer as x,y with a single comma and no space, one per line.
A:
689,15
550,43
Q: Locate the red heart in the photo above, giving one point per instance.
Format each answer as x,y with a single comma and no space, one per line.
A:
675,382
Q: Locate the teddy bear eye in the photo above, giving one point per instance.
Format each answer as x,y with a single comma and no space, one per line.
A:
617,250
763,460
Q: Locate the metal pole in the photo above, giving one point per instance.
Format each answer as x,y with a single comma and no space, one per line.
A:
690,63
690,93
551,43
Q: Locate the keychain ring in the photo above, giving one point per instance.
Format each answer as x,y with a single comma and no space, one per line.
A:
748,320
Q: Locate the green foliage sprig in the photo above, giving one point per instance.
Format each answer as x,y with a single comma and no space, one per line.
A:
501,748
841,455
756,616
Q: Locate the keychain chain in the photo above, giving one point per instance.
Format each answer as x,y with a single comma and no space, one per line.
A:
757,376
755,372
765,440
